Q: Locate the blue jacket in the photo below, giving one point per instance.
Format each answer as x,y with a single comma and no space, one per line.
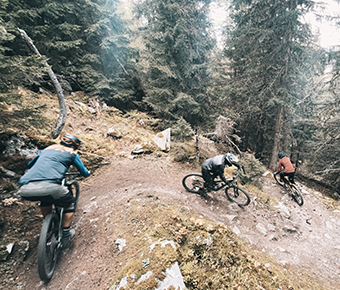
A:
51,165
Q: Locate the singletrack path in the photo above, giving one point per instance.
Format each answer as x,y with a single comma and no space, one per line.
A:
306,237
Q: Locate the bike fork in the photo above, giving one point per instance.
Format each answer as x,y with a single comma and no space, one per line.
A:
60,229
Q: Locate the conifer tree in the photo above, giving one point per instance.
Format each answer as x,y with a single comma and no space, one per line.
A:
270,59
84,40
175,58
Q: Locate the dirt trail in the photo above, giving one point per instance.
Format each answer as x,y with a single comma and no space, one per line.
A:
306,237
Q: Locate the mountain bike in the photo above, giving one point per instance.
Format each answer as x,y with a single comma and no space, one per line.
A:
194,183
292,188
51,233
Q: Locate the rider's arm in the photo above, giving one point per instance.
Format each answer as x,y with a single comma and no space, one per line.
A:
32,162
238,166
221,174
80,166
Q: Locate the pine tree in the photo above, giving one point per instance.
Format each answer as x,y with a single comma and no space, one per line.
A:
175,58
84,40
270,51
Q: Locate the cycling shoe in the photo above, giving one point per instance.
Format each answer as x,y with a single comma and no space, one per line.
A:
68,237
202,192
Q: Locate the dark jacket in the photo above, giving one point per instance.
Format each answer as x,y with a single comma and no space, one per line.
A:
216,165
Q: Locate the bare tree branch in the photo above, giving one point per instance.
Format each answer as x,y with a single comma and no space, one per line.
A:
63,110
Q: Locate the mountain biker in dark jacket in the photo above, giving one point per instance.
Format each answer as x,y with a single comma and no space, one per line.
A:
43,181
214,167
286,167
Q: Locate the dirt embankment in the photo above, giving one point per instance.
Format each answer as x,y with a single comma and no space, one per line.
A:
305,240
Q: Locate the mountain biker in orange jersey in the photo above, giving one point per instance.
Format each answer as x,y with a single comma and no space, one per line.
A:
286,167
214,166
43,181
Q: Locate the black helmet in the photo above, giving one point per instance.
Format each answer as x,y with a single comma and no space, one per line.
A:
70,141
281,155
231,158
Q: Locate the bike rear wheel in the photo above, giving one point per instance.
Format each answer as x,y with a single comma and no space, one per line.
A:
193,182
238,195
48,247
74,190
296,194
277,179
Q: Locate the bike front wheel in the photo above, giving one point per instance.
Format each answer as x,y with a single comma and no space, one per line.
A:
296,194
278,180
238,195
193,182
48,247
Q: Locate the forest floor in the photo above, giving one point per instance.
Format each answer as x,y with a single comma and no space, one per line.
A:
304,239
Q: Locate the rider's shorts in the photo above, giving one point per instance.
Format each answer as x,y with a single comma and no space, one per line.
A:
48,193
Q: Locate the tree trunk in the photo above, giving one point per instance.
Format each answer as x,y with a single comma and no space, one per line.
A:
197,146
63,110
276,149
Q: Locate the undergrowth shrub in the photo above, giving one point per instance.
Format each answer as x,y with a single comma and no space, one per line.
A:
182,130
184,152
253,170
187,152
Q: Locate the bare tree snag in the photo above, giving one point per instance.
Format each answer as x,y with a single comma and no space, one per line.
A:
235,146
197,147
94,102
123,68
63,110
275,151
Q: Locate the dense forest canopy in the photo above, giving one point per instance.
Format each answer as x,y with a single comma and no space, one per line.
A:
267,75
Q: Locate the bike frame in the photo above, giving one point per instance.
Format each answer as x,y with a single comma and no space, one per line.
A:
287,182
231,182
60,212
291,188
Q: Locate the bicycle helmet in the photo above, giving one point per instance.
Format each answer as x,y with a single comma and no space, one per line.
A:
231,158
281,155
70,141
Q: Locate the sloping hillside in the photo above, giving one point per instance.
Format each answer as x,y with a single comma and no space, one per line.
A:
271,244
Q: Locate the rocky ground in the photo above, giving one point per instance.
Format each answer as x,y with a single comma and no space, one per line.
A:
304,239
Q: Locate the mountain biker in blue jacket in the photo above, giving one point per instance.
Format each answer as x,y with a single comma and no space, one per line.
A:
214,167
42,182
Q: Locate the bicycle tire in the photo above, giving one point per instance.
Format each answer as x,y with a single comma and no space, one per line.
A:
193,182
48,247
238,195
277,179
296,194
74,190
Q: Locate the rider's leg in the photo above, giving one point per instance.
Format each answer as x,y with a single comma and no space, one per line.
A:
67,202
67,219
68,233
207,177
291,176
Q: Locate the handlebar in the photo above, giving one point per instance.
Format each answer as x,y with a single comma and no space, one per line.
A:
238,172
72,173
70,177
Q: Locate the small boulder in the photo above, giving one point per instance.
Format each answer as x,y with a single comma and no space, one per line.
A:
115,134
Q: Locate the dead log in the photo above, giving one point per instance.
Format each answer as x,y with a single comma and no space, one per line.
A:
62,106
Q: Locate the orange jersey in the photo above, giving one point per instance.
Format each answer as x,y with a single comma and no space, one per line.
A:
287,164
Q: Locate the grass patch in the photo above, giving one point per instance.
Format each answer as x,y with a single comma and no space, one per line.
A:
209,255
